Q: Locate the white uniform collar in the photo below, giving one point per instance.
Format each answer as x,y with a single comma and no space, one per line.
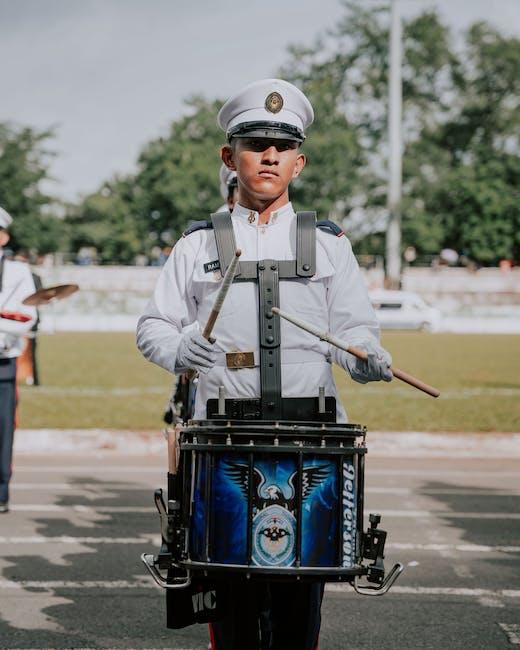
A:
251,216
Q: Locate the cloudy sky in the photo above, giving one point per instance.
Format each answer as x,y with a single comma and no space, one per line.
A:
110,74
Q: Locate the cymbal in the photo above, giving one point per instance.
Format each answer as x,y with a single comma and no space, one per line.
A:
44,296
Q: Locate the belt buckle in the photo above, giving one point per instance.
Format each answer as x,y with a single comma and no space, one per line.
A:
237,360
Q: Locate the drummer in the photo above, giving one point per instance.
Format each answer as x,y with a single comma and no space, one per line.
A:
265,126
16,320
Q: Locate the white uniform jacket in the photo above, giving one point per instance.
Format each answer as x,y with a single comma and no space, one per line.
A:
17,284
334,299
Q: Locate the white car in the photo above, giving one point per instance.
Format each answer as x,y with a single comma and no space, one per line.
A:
404,310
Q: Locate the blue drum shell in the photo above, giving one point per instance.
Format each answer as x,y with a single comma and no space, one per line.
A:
226,510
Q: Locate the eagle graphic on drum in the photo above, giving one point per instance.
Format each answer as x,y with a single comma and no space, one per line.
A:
274,506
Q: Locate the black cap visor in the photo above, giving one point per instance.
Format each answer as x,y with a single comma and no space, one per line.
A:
271,130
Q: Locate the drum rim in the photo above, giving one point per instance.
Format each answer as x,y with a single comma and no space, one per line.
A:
326,572
277,425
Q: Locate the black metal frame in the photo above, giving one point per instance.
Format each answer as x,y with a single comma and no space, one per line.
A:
203,440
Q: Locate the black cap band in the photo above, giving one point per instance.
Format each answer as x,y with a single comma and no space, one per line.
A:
265,129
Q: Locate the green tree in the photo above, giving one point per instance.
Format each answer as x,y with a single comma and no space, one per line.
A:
177,177
108,221
461,131
24,164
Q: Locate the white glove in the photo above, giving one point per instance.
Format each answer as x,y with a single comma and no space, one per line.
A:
375,368
195,353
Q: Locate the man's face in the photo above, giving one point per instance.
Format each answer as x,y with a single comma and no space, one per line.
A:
264,167
4,237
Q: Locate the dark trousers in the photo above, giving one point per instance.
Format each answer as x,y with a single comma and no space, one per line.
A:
7,418
270,616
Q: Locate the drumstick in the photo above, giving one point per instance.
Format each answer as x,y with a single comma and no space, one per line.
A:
360,354
219,301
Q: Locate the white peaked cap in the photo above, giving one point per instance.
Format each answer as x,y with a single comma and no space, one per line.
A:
5,219
269,108
226,176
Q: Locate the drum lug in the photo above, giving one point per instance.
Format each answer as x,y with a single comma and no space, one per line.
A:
366,590
150,563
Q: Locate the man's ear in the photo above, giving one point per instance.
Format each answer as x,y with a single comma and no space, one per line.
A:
4,237
228,157
299,165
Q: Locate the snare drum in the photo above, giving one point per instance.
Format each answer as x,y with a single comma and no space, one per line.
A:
273,499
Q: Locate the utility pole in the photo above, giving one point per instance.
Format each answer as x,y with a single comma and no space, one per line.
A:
393,233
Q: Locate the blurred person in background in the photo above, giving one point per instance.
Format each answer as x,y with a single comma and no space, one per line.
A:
27,365
183,394
16,320
228,188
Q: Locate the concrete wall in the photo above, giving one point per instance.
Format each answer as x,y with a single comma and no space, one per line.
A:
112,297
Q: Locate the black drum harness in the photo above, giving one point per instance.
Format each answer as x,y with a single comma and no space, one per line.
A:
268,273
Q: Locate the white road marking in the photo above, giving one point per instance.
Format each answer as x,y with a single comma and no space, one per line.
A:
512,631
53,507
437,591
147,583
98,487
477,492
448,513
464,548
415,514
89,469
161,467
66,539
143,583
369,490
155,539
436,473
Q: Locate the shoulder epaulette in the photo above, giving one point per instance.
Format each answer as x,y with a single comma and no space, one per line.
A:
197,225
330,227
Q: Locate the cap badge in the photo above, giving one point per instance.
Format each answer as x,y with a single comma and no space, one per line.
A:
274,102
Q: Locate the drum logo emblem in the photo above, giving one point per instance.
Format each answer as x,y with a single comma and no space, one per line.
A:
274,510
273,537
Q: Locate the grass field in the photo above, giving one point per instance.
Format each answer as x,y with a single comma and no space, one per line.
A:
100,380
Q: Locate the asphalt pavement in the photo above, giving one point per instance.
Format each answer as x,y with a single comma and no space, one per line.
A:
70,574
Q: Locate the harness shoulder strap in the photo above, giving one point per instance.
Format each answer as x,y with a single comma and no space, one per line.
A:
305,244
225,238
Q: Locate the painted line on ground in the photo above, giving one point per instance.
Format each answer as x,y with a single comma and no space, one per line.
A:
463,548
102,469
101,487
153,538
476,492
421,514
66,539
18,585
97,487
437,591
145,583
52,507
397,514
512,631
161,469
